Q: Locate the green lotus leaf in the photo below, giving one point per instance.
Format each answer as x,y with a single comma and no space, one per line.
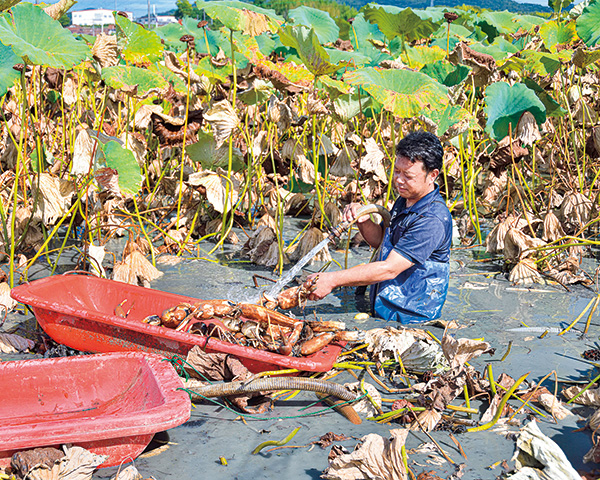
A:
178,84
309,49
138,45
555,33
446,73
334,87
351,58
582,58
214,74
40,40
123,160
403,92
362,31
542,63
134,80
206,153
172,32
8,74
553,108
498,49
242,16
558,5
258,92
349,105
588,24
456,31
216,39
436,15
406,24
504,106
505,23
417,57
449,117
325,27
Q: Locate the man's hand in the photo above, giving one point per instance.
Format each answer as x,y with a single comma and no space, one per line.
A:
324,286
349,213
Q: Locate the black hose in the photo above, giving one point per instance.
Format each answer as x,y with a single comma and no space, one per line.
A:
273,384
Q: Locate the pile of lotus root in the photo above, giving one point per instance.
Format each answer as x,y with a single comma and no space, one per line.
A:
257,326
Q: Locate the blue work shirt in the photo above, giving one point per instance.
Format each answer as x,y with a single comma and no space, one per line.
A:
421,233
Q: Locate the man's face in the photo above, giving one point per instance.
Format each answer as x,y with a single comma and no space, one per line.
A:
411,180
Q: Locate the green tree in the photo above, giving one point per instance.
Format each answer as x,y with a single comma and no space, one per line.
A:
186,9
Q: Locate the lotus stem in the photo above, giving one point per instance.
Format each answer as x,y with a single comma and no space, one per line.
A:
275,443
587,387
589,319
578,317
505,398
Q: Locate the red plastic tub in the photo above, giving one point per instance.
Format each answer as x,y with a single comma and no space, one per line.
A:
111,404
78,311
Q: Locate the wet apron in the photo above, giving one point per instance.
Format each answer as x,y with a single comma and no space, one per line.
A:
416,295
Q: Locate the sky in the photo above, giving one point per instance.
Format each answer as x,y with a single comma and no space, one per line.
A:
138,7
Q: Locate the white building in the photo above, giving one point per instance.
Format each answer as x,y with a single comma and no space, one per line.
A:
95,16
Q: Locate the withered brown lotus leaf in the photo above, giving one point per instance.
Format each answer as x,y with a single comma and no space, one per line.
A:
584,113
462,350
135,269
525,272
343,45
427,420
483,65
518,245
326,146
575,210
170,131
108,179
374,457
223,119
54,196
58,9
552,228
143,116
342,166
554,406
372,161
297,204
495,186
6,302
393,64
494,242
216,225
527,129
311,238
220,193
105,50
331,218
279,113
268,221
593,421
315,106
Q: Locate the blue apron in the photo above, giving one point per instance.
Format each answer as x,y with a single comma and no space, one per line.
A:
416,295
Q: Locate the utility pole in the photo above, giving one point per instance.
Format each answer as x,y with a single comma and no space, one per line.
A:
148,22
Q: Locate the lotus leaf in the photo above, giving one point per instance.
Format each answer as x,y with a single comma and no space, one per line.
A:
504,106
456,31
419,56
172,32
312,54
453,115
543,63
403,92
6,4
325,28
348,106
241,16
582,58
498,49
58,9
134,80
138,45
123,160
505,23
335,87
588,24
40,40
553,109
351,58
406,24
555,33
175,81
558,5
206,153
258,92
446,73
8,74
362,31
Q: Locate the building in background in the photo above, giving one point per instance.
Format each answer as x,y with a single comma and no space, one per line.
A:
95,16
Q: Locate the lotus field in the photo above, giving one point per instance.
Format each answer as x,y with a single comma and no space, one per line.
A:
174,136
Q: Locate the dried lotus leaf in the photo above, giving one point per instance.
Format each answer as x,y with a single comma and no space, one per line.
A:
311,238
552,228
364,405
518,245
426,420
494,242
332,215
96,254
553,406
130,472
223,119
12,343
462,350
314,105
135,269
54,197
105,50
342,166
527,129
143,116
590,397
305,169
7,303
326,146
525,272
576,209
593,421
217,192
372,162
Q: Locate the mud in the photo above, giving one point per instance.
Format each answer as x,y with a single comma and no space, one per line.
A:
480,299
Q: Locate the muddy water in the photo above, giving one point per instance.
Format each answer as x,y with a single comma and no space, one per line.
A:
480,299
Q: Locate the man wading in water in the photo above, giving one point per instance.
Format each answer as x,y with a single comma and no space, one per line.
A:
409,279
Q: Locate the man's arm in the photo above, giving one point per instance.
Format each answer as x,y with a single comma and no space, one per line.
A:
365,274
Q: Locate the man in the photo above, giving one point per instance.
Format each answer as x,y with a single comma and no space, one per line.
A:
409,279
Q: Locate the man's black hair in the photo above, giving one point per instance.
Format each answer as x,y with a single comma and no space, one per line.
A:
424,147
